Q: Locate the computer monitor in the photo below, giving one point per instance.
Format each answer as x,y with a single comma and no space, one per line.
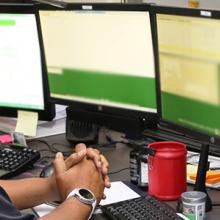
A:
24,84
189,58
101,63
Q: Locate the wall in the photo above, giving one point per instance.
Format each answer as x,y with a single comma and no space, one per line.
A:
212,4
104,1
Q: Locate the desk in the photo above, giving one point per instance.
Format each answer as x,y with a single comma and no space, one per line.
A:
118,158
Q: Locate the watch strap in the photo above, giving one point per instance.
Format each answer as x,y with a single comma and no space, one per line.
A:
75,193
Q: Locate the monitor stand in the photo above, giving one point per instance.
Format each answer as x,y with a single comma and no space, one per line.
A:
201,174
79,129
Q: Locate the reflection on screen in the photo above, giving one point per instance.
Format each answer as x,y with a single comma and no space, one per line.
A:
20,62
100,57
189,53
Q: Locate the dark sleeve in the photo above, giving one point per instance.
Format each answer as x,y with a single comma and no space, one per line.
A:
8,211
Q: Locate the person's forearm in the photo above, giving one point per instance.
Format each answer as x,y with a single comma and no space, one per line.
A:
70,209
28,192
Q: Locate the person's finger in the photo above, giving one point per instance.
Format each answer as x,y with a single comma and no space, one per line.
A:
75,158
93,151
59,164
105,165
80,147
107,181
104,196
96,150
95,156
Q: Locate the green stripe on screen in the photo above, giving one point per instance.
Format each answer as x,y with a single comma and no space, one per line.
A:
97,85
18,105
191,113
7,22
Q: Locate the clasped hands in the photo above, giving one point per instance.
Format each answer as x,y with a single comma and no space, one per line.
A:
85,168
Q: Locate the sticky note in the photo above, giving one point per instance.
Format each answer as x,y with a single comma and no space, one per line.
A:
27,123
6,138
191,170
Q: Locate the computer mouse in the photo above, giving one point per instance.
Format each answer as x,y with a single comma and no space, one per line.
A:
47,170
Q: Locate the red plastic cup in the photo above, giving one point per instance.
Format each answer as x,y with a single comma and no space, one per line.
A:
167,170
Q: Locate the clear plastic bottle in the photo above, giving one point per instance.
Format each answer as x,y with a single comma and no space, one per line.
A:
134,154
143,169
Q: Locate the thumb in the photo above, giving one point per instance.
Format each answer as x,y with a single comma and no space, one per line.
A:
59,164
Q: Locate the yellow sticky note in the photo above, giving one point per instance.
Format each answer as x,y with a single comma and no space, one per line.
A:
191,170
27,123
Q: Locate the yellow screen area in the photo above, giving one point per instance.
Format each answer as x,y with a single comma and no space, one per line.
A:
99,57
190,57
114,42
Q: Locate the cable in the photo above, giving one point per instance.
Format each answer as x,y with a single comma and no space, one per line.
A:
45,143
46,157
41,141
44,150
65,153
108,145
51,148
118,171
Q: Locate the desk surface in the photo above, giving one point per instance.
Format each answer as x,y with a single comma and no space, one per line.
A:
118,157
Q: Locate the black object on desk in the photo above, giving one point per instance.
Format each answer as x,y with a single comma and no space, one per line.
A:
15,159
201,174
80,128
47,170
145,207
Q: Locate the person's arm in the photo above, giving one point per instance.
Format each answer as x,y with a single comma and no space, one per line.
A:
30,192
26,193
83,174
71,209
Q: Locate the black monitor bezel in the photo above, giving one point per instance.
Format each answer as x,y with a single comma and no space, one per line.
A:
163,123
105,114
48,112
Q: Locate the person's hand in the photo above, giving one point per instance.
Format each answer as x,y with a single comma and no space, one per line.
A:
69,162
99,160
83,174
81,152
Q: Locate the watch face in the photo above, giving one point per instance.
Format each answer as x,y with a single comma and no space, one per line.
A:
86,194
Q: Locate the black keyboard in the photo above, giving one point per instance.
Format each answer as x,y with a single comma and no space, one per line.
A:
16,159
142,208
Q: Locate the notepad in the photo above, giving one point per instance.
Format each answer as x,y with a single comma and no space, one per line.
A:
27,123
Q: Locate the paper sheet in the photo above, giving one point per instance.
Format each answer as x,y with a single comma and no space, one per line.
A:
57,126
27,123
118,192
43,209
193,160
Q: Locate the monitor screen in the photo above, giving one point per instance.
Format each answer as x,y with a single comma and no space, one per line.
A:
189,58
101,57
23,74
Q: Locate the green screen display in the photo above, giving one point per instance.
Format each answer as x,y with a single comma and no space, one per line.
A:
110,65
189,57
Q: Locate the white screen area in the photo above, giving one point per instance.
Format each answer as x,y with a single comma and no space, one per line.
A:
20,62
112,50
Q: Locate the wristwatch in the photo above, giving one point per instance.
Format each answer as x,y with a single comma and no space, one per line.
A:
85,196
